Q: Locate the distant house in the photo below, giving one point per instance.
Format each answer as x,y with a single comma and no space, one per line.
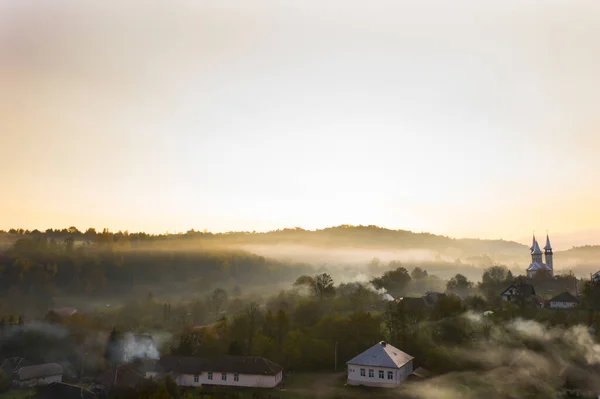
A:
521,292
565,300
596,276
236,371
41,374
382,365
63,391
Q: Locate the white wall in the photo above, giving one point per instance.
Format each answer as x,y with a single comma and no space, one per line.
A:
398,375
563,305
245,380
40,381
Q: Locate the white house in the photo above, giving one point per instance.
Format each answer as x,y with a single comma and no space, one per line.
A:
565,300
596,276
382,365
235,371
41,374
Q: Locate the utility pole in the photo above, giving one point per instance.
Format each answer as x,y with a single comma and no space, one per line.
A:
335,364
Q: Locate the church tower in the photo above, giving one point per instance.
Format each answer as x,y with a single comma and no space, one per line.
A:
536,253
548,254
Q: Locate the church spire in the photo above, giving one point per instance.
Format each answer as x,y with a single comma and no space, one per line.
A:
532,243
548,246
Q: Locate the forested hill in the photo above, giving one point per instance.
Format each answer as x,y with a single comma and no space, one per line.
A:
371,237
583,253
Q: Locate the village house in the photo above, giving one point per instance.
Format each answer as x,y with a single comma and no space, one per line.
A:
41,374
382,365
231,371
596,276
521,292
565,300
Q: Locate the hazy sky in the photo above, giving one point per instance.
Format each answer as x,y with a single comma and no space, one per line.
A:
466,118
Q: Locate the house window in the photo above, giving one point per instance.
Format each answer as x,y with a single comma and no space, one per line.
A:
210,375
363,372
390,375
381,374
236,377
196,378
223,377
371,373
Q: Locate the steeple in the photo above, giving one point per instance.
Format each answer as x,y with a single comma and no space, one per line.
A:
532,244
548,254
548,247
536,249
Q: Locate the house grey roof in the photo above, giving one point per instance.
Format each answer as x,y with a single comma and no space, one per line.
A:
565,297
39,371
223,364
382,354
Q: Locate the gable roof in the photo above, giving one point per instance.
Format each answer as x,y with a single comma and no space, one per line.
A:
526,290
63,391
38,371
565,297
382,354
223,364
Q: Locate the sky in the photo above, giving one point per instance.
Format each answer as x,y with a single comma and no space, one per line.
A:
463,118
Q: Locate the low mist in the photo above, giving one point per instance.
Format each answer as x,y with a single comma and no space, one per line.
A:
520,358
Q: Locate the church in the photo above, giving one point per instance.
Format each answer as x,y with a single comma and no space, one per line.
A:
537,265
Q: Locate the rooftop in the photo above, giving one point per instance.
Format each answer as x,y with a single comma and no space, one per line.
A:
223,364
382,354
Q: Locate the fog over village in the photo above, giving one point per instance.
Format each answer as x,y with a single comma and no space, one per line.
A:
289,200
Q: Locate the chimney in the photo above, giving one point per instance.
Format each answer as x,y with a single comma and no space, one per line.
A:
383,343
